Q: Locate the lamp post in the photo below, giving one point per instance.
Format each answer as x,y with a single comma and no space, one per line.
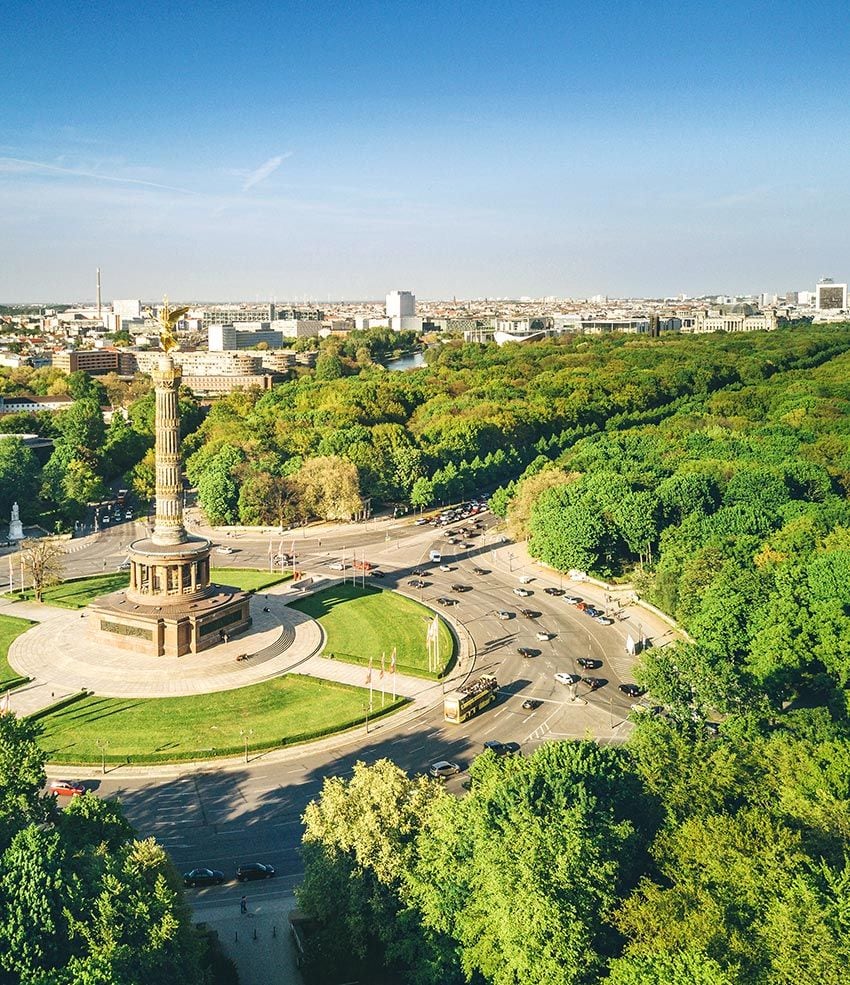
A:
246,734
103,745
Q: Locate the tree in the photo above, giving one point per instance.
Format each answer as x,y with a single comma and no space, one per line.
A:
21,776
329,366
19,475
43,560
329,488
218,490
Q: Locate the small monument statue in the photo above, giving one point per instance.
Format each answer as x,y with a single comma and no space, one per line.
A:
16,528
168,319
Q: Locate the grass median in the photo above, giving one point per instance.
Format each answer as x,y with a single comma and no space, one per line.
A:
76,593
10,628
360,623
274,713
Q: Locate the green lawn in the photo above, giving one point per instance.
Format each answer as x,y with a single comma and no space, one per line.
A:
10,627
78,592
280,712
361,623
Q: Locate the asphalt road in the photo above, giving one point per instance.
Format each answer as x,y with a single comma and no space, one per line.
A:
221,816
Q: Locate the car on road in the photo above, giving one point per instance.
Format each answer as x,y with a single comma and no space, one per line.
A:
480,571
594,683
254,870
460,588
128,515
66,788
588,663
525,579
573,600
530,704
203,877
523,593
632,690
444,600
543,636
567,678
422,521
336,566
446,567
605,620
592,611
530,613
376,574
502,748
419,572
526,651
417,583
553,591
124,565
443,769
224,550
504,614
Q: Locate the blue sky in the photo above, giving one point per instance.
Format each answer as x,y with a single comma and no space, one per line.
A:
337,150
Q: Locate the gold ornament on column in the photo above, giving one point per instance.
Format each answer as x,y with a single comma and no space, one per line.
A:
167,318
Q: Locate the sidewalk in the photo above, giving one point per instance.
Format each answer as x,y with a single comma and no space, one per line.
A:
258,942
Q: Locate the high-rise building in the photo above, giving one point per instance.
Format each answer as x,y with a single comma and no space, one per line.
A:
401,304
830,296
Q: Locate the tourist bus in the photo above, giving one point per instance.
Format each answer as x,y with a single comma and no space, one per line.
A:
470,698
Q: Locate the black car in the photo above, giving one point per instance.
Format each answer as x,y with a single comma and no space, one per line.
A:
443,600
460,588
632,690
594,683
377,574
530,613
502,748
418,572
554,591
417,583
203,877
480,571
526,651
588,663
254,870
531,703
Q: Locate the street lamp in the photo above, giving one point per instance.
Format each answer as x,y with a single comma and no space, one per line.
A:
103,745
246,734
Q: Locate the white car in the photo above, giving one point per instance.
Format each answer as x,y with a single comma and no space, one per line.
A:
445,567
572,599
605,620
421,521
504,614
522,592
567,678
224,550
543,636
525,579
336,566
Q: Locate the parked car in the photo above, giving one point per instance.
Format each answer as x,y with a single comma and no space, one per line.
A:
66,788
504,614
573,600
443,769
632,690
254,870
588,663
542,635
605,620
421,521
203,877
594,683
530,704
523,593
592,611
553,591
567,678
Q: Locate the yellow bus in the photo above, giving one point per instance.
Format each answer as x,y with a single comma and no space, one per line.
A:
469,699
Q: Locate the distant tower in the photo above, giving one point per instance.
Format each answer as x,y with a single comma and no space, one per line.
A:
401,304
98,292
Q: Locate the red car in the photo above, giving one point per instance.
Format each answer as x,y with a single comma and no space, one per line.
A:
66,788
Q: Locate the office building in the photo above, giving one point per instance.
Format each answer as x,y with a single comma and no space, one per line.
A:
93,361
246,335
401,304
830,296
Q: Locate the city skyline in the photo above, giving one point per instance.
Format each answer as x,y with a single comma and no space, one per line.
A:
489,151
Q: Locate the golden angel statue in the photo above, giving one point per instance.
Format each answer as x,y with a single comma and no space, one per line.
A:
167,318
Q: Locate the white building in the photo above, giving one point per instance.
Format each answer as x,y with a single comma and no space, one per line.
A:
401,304
127,309
830,296
407,323
246,335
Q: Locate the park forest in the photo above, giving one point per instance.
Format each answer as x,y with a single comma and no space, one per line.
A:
712,473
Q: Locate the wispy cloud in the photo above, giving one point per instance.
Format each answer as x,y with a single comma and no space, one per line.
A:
17,165
264,170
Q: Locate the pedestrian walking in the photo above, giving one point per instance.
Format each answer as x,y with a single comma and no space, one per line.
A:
243,905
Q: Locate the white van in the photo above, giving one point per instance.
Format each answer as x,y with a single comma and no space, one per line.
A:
435,556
